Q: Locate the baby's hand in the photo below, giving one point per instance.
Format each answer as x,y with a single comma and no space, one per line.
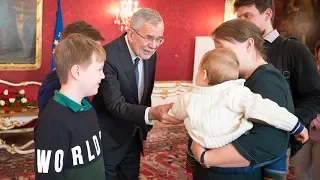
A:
303,136
170,113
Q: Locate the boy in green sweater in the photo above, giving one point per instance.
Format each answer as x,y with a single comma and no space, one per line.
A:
67,135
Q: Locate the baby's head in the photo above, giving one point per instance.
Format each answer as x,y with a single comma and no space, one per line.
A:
217,66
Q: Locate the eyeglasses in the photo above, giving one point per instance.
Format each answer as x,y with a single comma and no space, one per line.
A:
150,39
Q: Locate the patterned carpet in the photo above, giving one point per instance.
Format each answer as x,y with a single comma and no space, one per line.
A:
164,157
165,154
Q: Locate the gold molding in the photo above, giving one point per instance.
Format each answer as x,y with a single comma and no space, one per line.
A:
174,81
13,149
229,10
38,45
164,89
12,123
9,148
24,83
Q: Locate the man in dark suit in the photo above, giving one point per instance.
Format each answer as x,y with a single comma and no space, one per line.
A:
124,98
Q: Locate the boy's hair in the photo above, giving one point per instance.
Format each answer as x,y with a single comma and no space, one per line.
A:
76,49
81,27
261,5
221,64
240,30
316,50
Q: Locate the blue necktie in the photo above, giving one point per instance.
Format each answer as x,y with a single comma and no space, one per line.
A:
136,71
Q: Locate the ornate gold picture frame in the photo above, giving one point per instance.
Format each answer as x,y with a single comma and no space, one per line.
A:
20,34
229,10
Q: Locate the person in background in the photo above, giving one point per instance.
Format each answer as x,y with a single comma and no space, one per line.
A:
51,81
298,68
307,160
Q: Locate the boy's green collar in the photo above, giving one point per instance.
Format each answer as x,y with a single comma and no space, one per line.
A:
67,102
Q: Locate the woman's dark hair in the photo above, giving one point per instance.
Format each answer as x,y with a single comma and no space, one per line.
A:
240,30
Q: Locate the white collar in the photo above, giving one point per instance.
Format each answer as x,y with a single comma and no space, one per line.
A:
133,55
271,36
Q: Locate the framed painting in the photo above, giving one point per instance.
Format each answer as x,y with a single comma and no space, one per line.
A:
299,19
20,34
229,10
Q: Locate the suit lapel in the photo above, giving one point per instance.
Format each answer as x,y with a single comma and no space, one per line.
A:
148,66
126,61
146,69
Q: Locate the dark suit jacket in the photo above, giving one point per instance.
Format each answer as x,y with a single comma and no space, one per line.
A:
47,88
117,102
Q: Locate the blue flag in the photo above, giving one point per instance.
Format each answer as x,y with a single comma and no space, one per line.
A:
57,31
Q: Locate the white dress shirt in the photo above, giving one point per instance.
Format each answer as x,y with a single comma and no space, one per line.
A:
141,81
271,36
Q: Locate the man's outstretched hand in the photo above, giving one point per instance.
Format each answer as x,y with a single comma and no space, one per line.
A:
160,113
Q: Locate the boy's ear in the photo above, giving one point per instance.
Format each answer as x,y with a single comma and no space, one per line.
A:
75,72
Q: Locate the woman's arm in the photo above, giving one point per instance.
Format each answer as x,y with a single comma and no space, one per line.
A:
217,157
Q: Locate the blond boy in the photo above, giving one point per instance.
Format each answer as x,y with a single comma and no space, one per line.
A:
67,136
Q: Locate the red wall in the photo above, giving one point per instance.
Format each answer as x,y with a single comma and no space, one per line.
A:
184,19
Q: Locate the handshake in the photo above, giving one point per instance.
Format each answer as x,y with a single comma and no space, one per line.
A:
160,113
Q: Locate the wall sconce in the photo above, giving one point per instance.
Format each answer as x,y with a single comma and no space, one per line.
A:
229,10
123,15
